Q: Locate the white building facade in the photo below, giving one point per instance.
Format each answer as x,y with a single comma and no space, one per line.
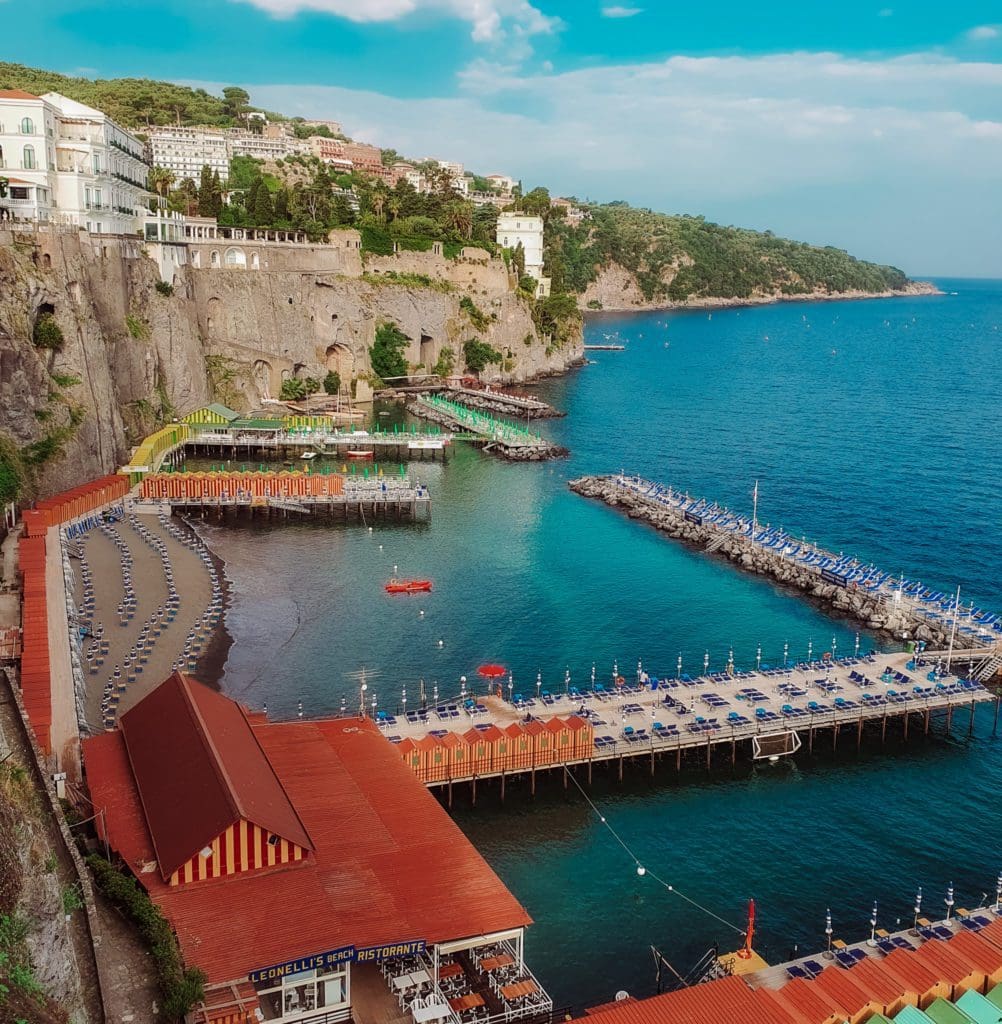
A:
73,165
515,228
185,151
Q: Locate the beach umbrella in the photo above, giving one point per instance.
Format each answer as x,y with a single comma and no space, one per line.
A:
918,903
873,925
949,901
492,671
828,929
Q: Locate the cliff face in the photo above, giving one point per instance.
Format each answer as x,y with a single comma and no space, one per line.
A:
131,356
616,289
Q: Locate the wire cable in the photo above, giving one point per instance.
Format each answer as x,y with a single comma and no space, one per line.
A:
641,869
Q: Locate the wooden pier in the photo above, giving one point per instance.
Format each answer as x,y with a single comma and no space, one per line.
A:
764,715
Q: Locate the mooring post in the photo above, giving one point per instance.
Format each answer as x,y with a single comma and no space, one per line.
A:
926,727
566,770
652,760
532,780
589,770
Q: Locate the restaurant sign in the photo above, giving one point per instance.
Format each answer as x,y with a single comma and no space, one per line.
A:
331,958
394,949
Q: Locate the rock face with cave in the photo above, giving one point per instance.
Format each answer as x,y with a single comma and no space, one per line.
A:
131,356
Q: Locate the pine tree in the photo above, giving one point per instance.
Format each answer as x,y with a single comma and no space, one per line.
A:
263,213
205,204
217,193
281,204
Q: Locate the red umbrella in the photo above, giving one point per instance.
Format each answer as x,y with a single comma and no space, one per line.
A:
492,671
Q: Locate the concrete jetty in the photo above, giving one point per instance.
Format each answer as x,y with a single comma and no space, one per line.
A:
860,592
491,400
500,437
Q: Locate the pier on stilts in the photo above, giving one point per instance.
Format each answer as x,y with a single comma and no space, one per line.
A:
712,719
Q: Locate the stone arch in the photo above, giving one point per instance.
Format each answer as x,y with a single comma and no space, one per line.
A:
235,259
427,350
263,374
214,258
340,359
46,261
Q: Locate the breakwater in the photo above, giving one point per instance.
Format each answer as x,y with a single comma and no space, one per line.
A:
856,591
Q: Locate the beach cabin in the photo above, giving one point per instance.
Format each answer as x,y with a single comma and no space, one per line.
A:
582,737
952,966
920,984
882,986
981,954
541,742
519,746
841,986
805,1002
561,740
434,763
411,754
456,756
479,750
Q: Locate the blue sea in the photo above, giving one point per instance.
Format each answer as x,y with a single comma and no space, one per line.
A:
872,427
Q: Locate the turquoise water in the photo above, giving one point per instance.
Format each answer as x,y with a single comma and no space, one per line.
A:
872,427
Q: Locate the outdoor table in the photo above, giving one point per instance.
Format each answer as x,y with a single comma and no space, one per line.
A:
466,1002
492,963
420,977
436,1011
402,981
450,970
518,989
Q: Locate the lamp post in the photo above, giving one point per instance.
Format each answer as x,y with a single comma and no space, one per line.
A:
786,652
678,667
640,670
855,652
361,700
403,700
567,681
730,661
299,711
462,687
373,705
435,693
828,931
834,647
539,684
758,658
706,662
949,901
918,908
511,686
998,892
872,941
810,652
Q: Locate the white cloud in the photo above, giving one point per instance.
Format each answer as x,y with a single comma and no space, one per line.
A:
617,11
983,32
911,136
490,20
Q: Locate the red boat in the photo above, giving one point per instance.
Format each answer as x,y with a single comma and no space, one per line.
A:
408,586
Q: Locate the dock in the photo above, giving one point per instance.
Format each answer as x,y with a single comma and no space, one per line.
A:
878,600
501,437
765,715
491,400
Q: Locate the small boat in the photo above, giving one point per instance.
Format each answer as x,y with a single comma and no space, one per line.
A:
359,454
396,586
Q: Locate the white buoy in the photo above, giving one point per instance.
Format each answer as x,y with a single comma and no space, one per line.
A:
421,613
370,529
380,547
441,643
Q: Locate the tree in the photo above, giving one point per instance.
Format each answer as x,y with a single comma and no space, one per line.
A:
161,180
262,211
341,211
478,354
235,101
216,193
518,260
386,354
206,205
459,217
243,171
332,382
280,205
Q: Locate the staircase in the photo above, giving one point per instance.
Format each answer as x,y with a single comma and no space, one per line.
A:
988,668
717,541
288,506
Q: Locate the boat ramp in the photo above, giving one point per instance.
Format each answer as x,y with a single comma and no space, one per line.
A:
766,714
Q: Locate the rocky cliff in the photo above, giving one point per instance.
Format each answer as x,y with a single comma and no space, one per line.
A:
617,289
130,352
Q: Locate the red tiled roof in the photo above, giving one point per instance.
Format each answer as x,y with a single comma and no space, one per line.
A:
727,999
914,974
883,987
993,933
16,94
946,960
389,864
813,1005
840,986
199,769
779,1012
978,951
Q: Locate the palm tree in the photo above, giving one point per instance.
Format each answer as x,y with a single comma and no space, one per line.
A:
378,201
161,180
459,217
393,205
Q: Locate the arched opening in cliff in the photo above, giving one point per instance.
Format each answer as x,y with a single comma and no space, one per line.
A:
235,259
46,261
427,350
340,359
262,374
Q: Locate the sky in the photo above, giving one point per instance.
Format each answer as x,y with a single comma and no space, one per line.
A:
872,126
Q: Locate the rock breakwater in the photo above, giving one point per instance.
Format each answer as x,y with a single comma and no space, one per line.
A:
871,610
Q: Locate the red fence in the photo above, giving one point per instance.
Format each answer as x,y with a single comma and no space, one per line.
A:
36,679
213,486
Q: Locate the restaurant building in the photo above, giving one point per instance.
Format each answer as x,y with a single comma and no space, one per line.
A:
292,859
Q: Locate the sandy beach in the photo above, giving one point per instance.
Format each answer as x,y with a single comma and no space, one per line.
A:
147,594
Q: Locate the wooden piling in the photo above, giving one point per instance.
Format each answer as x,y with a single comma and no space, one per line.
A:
970,728
502,786
708,747
926,727
859,734
473,790
907,716
835,736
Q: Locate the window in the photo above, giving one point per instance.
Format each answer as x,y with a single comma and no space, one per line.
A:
27,126
28,161
214,258
304,993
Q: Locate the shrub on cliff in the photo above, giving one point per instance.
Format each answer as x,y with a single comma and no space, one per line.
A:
47,333
12,476
332,382
478,354
387,352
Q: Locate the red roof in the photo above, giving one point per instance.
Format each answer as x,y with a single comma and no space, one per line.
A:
389,863
199,769
883,987
993,933
727,999
841,986
977,951
946,960
809,1002
16,94
915,975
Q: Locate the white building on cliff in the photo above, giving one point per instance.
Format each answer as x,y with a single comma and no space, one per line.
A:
67,163
514,228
